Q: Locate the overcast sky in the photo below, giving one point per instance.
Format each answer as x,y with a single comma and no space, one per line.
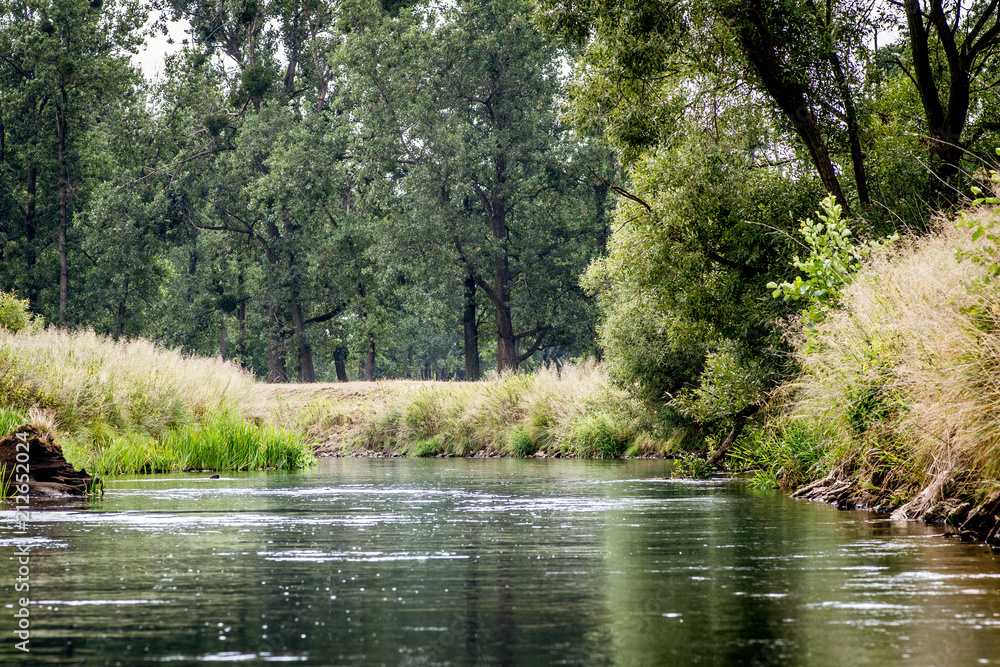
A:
152,58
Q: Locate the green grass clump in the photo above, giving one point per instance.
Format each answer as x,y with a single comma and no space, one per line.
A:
783,456
10,419
225,443
519,443
234,444
591,436
428,447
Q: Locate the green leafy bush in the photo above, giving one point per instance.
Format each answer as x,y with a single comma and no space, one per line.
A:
14,313
834,258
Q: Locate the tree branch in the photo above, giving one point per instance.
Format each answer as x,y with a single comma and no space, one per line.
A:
482,284
541,331
741,419
327,316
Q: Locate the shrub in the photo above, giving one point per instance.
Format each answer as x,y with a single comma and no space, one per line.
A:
14,314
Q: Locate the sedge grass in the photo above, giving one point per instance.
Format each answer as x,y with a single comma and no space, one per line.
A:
569,411
224,443
10,419
904,379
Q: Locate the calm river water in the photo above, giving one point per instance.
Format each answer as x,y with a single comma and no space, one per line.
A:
506,562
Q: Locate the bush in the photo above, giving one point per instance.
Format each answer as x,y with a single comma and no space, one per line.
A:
903,380
14,314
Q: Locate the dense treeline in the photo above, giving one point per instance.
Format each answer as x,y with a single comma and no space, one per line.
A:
393,189
317,190
732,121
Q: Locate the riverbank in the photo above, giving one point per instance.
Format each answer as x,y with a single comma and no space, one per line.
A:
897,405
125,407
565,412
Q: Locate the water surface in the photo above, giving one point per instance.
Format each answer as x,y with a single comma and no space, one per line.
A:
498,562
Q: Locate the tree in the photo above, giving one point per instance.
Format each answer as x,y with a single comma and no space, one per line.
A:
488,168
66,66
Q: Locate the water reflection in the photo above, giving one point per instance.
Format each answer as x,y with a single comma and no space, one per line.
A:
509,562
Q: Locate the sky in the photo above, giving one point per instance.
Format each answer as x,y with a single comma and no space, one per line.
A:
151,59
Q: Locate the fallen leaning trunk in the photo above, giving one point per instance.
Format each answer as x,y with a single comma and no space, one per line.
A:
29,451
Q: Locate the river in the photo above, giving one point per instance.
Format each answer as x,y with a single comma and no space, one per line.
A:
494,562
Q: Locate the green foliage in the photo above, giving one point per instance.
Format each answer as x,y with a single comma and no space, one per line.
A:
10,419
834,258
692,466
728,384
982,228
14,314
783,456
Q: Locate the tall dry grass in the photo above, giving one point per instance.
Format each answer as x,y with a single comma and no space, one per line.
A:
131,385
904,379
132,406
568,411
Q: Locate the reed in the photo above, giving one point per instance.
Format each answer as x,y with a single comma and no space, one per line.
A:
222,443
10,419
901,385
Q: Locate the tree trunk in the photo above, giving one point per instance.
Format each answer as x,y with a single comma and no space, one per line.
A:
122,303
944,126
741,418
340,362
506,342
370,358
471,330
63,214
224,339
788,93
241,345
276,349
853,132
601,218
276,344
307,372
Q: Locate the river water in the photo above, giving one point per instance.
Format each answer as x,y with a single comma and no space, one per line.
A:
501,561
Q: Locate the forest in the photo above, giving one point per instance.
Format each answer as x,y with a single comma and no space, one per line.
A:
351,190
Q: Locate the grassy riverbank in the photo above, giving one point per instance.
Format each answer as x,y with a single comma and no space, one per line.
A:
131,406
565,412
897,406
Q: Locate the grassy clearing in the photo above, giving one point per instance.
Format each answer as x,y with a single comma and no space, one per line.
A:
900,388
131,406
564,412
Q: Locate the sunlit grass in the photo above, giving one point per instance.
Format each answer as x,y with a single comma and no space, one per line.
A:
132,386
569,411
